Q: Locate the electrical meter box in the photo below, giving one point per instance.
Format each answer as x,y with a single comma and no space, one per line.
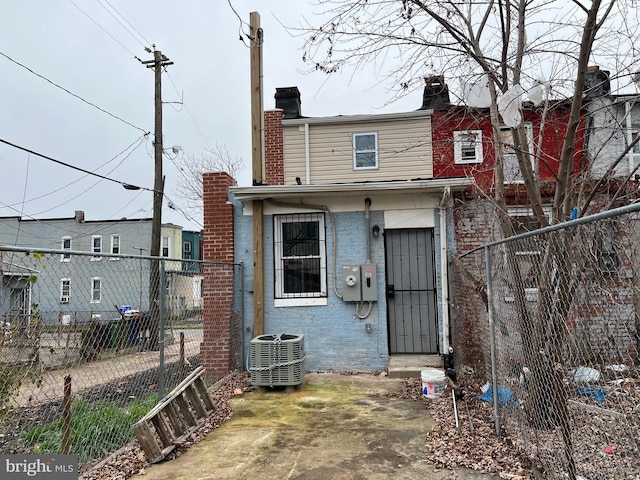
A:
351,283
360,282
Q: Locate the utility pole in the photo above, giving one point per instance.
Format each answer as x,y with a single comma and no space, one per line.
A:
257,128
157,64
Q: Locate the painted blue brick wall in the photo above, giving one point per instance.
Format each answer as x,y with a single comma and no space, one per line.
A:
335,338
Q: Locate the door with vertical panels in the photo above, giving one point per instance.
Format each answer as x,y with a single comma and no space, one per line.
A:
411,291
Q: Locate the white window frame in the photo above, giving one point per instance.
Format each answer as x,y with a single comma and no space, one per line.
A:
460,139
286,299
162,246
96,293
65,290
65,257
510,160
93,247
115,245
187,249
365,151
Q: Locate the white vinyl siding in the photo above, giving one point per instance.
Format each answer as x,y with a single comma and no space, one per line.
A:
404,151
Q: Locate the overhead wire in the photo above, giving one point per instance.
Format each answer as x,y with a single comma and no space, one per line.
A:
195,124
148,43
138,140
105,31
126,185
72,94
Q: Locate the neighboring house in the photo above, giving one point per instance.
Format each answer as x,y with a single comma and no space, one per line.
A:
615,124
15,297
89,284
356,230
184,286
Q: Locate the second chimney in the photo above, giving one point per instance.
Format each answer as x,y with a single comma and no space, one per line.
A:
436,93
288,99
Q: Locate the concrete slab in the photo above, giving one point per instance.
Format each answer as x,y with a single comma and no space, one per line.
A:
333,427
407,366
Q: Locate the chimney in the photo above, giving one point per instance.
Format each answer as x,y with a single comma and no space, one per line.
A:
596,82
288,99
79,217
436,93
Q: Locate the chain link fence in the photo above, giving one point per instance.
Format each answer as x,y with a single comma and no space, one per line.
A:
564,336
81,353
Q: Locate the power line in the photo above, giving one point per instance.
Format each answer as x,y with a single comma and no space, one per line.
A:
71,93
105,31
189,113
124,26
139,140
128,186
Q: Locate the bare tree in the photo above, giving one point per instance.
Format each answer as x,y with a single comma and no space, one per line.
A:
189,183
506,45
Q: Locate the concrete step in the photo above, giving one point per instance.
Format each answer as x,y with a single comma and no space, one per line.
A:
407,366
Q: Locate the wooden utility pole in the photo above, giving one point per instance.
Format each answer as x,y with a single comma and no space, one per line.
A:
157,64
257,128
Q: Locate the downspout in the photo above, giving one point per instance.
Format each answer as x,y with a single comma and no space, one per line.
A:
629,133
307,155
367,221
446,341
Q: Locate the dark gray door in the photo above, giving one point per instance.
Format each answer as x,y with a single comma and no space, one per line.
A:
411,291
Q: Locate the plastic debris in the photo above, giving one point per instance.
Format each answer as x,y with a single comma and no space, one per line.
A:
617,368
505,396
595,393
585,375
609,450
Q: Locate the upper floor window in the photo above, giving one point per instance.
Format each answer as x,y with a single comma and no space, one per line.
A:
300,256
66,245
96,290
511,167
186,251
467,146
365,151
165,247
115,244
96,245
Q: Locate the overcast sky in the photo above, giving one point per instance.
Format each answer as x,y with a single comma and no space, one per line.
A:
79,45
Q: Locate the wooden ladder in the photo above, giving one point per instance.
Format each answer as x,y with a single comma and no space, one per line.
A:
174,418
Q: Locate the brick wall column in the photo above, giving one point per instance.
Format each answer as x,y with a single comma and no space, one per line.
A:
273,147
215,351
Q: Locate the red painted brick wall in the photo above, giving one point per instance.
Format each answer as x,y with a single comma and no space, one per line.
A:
273,147
219,334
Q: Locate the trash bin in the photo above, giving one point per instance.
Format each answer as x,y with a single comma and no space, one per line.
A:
115,331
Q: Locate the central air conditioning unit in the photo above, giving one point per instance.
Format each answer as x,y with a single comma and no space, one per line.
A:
277,360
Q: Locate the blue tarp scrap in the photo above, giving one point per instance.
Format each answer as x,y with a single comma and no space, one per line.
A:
595,393
505,396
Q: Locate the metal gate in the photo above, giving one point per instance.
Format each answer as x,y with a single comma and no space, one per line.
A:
411,291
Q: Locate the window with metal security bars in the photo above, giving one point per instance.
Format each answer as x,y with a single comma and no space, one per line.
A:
467,147
527,253
300,256
365,151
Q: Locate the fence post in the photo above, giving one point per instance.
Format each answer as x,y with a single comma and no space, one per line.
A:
182,356
66,415
492,342
163,292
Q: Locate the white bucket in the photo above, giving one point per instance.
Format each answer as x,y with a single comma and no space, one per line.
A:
432,383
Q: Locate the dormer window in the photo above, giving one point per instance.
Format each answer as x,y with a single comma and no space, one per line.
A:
365,151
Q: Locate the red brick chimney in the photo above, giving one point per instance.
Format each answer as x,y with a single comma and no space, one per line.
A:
218,353
273,147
